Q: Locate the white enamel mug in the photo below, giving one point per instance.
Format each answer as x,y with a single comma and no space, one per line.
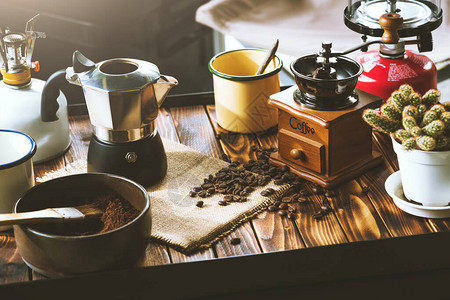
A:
16,168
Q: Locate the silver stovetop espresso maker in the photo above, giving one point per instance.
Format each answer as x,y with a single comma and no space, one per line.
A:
122,97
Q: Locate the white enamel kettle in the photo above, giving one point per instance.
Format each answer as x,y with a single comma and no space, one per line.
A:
21,108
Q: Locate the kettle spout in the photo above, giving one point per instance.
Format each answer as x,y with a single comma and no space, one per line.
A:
163,86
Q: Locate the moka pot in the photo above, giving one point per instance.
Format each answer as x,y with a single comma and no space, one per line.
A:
123,96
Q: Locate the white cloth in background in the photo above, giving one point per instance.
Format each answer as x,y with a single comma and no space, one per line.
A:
300,25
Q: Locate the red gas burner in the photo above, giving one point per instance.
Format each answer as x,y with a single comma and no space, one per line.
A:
385,70
379,71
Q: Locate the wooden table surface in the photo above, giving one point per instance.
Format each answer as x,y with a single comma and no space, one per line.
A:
362,210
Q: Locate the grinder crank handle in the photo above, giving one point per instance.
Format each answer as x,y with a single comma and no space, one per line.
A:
391,23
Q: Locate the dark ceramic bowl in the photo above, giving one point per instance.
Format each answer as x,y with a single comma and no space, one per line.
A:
326,93
57,255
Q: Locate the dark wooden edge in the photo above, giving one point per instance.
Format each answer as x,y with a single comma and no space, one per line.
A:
389,260
203,98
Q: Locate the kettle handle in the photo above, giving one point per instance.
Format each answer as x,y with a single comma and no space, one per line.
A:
50,93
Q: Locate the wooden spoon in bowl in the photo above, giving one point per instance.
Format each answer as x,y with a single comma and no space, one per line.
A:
60,214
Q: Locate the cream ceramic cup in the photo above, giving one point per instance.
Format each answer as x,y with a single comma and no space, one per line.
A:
240,95
16,168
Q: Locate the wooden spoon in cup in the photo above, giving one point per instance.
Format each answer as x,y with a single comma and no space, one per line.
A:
267,59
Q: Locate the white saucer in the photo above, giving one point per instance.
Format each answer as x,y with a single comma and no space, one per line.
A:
394,188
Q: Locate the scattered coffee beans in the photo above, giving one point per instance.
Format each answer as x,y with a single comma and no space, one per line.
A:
238,180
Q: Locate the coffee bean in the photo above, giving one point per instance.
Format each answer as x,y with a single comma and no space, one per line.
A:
292,216
282,213
286,199
199,203
211,190
235,163
235,241
202,194
318,215
248,189
278,181
228,198
267,192
283,206
272,208
206,186
225,157
265,167
192,194
197,189
267,178
292,209
301,199
223,203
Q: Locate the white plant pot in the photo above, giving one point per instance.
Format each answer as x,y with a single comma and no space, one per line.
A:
425,175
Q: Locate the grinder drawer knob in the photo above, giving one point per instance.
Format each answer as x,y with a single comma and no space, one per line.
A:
297,154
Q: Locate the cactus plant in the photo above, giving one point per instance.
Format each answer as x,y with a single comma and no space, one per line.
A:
418,122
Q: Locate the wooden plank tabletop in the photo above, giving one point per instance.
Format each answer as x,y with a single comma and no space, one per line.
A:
362,210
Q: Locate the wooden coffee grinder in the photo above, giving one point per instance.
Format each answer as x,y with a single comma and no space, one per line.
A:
321,135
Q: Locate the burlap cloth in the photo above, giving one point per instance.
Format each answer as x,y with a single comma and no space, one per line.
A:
176,220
